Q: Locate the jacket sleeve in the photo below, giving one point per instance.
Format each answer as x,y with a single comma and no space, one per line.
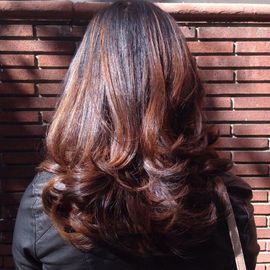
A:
240,196
23,244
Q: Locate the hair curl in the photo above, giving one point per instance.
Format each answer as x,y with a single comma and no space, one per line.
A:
132,157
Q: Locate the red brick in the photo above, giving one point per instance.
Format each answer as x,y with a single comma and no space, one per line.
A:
32,74
24,131
59,31
36,46
5,249
262,244
253,47
260,196
10,30
14,117
16,60
243,116
8,261
9,212
21,158
263,257
236,143
233,61
263,233
258,182
47,116
20,144
251,102
17,89
251,169
189,32
54,60
216,75
262,209
251,156
260,221
10,199
6,237
78,30
224,129
49,88
218,102
14,171
260,267
28,103
224,154
267,245
15,185
239,88
234,32
6,225
210,47
251,129
253,75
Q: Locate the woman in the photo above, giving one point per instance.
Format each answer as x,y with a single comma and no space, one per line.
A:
131,180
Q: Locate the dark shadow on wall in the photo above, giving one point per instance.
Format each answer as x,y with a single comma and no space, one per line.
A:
30,84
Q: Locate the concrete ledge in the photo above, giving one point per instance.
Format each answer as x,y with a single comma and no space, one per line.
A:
181,11
36,9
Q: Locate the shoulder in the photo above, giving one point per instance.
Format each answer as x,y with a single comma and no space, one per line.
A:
41,178
26,228
35,236
237,186
31,195
240,195
31,209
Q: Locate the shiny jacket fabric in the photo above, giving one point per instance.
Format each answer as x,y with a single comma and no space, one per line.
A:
37,245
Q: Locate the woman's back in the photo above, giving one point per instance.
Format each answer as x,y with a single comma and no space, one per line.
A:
37,245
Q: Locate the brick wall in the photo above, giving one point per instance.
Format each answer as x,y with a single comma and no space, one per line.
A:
234,61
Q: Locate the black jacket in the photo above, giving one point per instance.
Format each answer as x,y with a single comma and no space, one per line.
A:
37,245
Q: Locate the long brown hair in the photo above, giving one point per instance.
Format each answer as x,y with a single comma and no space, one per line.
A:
131,156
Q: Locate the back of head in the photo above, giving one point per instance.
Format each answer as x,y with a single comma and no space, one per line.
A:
128,141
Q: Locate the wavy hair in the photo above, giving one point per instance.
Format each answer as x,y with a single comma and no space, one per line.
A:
131,155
